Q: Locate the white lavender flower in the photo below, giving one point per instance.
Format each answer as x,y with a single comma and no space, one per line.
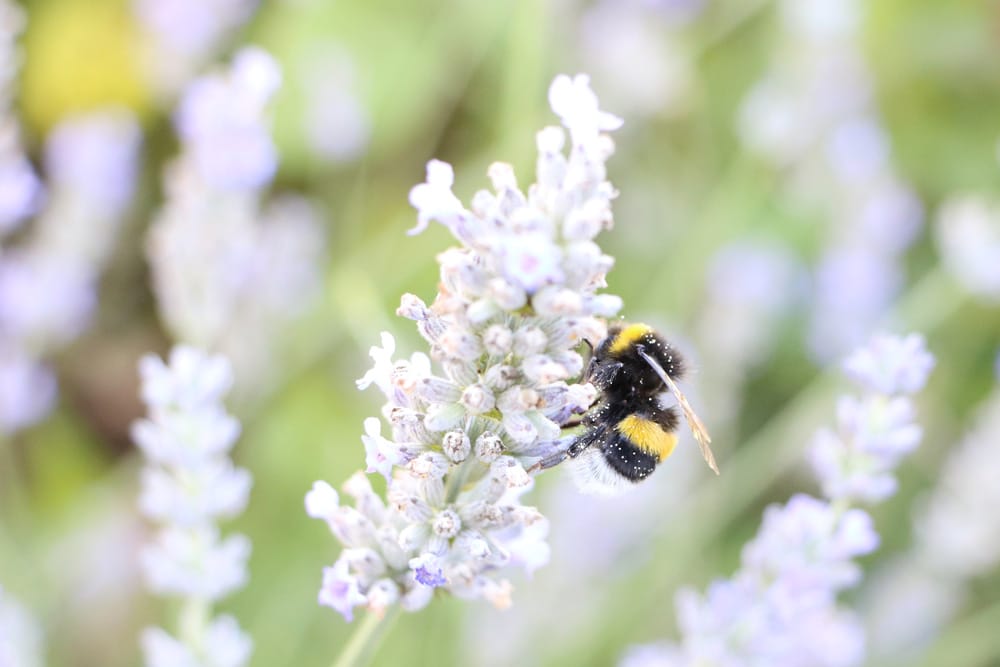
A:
780,608
516,298
230,272
20,635
189,484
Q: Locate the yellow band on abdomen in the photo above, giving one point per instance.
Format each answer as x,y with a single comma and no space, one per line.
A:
648,436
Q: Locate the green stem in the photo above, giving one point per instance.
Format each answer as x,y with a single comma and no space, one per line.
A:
731,24
457,479
367,636
193,623
15,515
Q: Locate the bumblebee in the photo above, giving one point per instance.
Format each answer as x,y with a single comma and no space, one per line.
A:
629,431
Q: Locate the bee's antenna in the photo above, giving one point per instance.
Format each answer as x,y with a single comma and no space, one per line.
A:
694,423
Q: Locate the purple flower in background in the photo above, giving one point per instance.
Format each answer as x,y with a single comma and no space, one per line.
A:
27,391
95,158
49,278
813,115
853,288
781,607
751,285
891,365
92,163
856,460
221,121
230,272
20,189
45,301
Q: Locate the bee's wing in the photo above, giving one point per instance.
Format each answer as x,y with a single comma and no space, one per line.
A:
694,423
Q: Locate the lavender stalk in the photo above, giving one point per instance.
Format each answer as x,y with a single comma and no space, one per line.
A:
188,485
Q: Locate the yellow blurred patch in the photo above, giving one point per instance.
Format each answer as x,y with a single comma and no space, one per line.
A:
648,436
80,55
627,336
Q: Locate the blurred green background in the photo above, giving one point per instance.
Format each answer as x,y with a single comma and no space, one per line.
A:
465,81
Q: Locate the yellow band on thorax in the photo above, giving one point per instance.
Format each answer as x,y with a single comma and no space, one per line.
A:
628,336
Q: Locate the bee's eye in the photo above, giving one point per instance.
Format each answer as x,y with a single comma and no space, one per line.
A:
603,373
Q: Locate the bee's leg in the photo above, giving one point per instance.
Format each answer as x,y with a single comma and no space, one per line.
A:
573,423
549,461
576,445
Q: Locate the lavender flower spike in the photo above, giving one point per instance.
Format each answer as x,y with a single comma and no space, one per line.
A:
780,609
189,484
854,462
517,296
231,270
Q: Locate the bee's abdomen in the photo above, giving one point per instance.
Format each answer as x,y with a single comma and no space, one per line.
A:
627,459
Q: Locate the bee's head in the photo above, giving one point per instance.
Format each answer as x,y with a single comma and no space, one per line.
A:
601,371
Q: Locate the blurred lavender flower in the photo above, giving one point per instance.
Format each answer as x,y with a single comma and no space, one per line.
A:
91,165
27,390
956,540
222,124
48,282
968,238
188,485
20,635
752,285
615,35
183,35
515,299
20,189
853,286
813,114
337,126
855,461
229,272
780,608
